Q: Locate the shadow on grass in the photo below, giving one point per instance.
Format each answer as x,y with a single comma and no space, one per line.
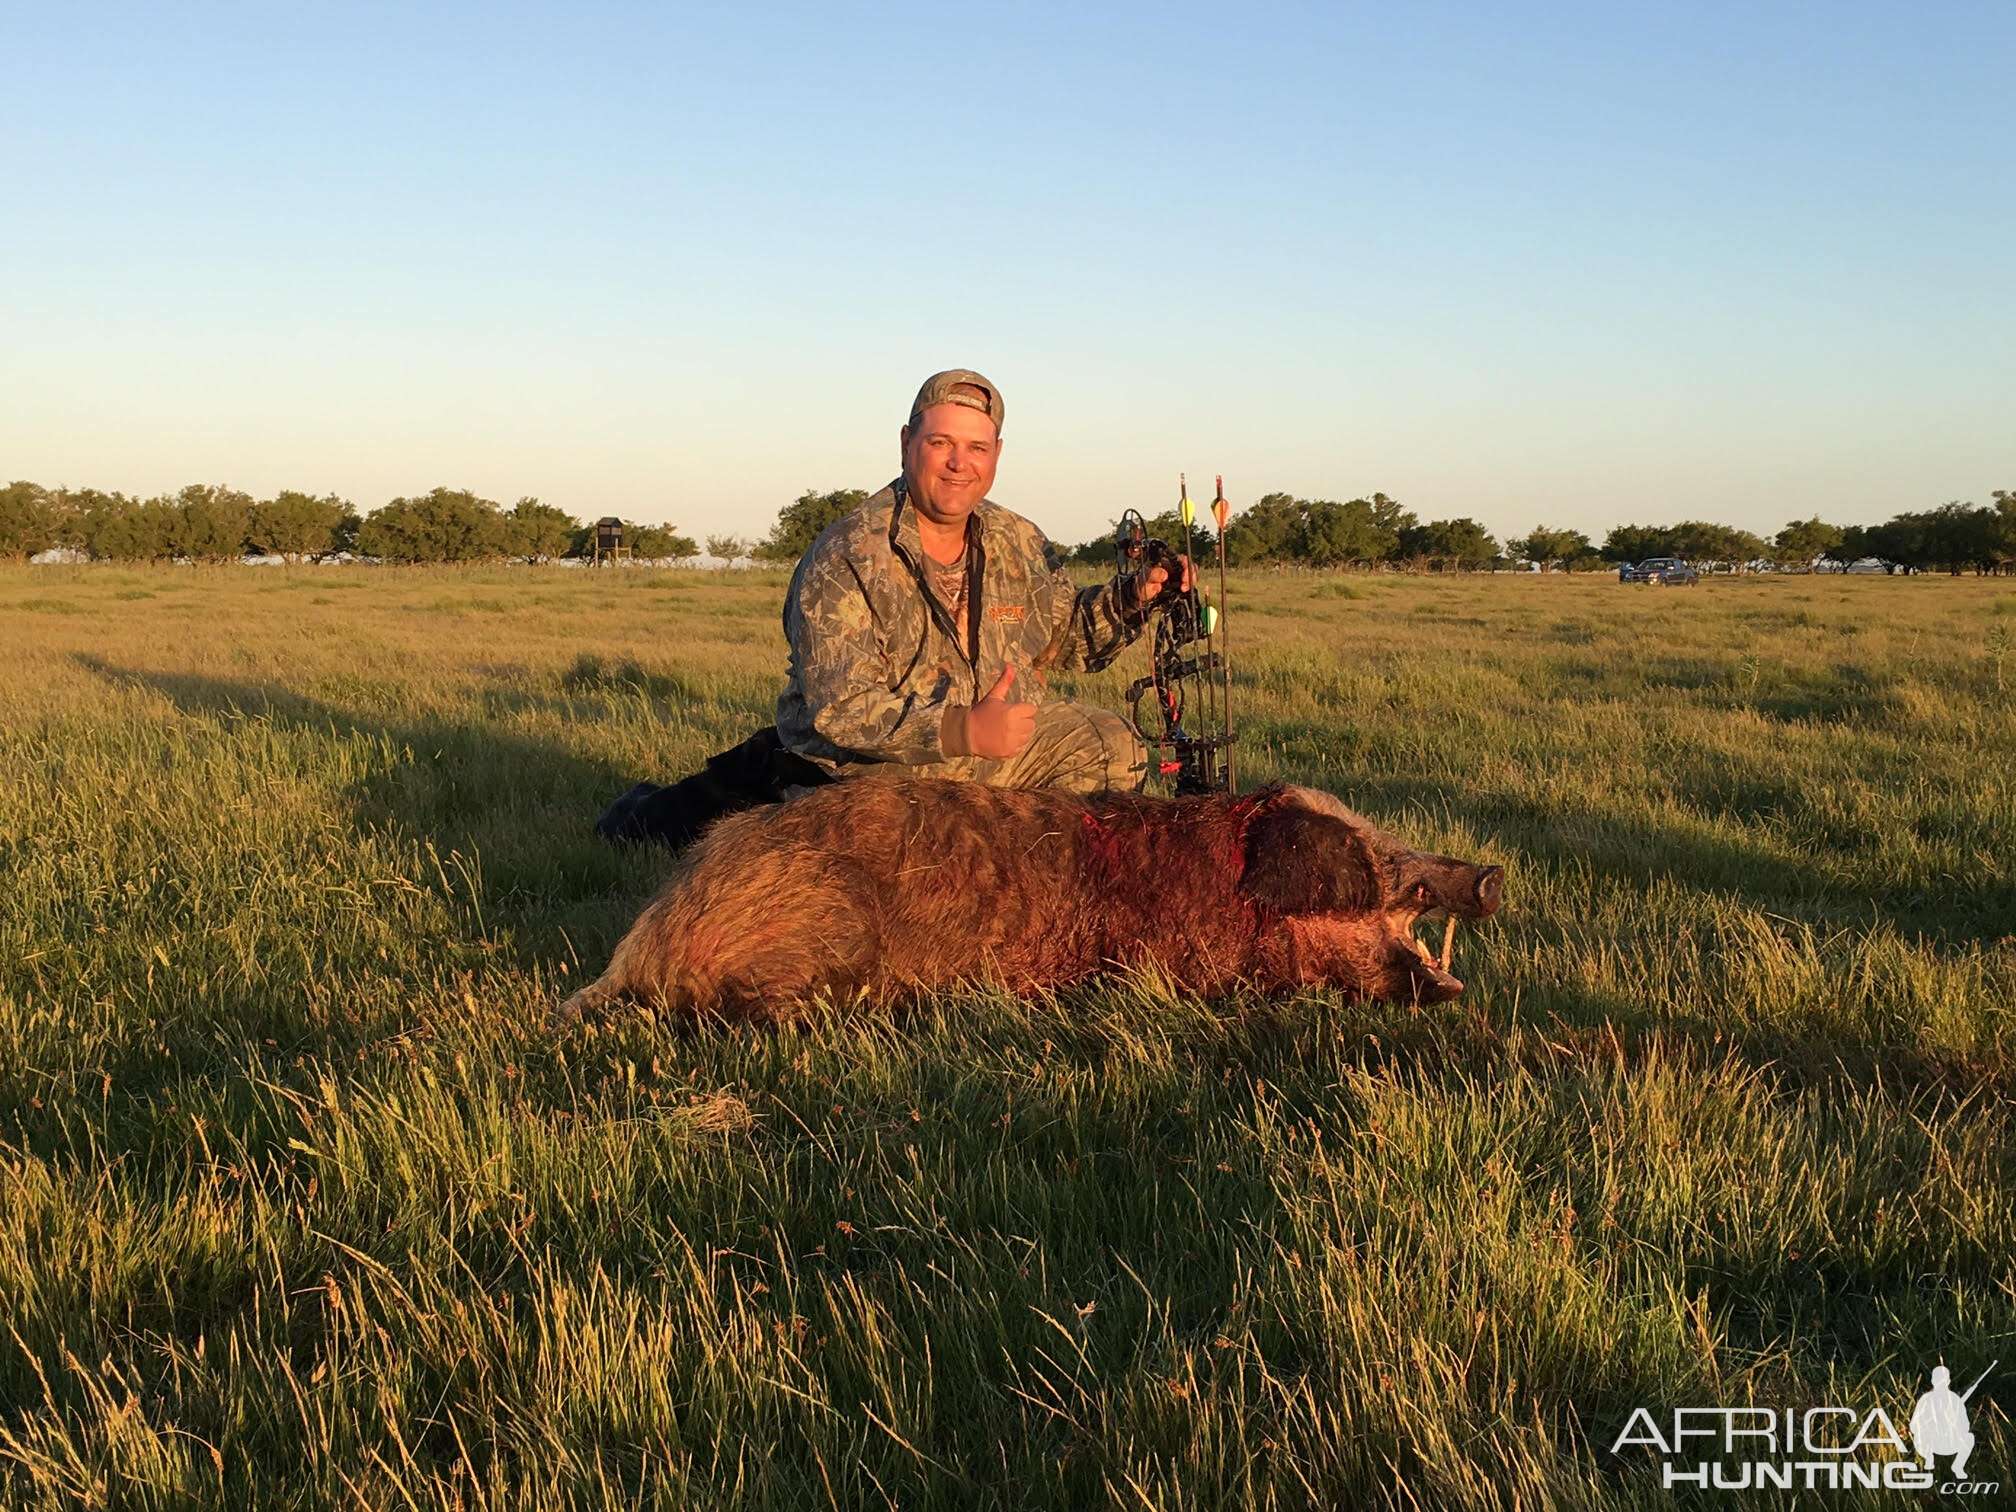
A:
525,807
1574,1027
1631,852
526,887
462,775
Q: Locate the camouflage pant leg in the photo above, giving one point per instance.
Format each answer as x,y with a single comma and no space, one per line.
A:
1076,748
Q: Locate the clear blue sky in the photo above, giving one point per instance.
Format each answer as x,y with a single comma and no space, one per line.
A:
1557,264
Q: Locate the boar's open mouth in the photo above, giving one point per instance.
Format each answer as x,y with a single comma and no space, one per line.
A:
1357,894
1423,975
1454,890
1438,959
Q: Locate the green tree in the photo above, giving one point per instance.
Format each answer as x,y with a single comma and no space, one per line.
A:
1957,536
1804,541
1545,547
445,525
1268,530
1635,543
2005,528
1705,541
1467,543
1447,545
534,530
294,525
727,547
27,519
1415,547
799,523
1858,541
1903,541
207,522
117,528
1388,514
1358,532
1097,552
656,542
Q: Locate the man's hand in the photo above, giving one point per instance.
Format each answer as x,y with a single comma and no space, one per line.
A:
993,728
1148,585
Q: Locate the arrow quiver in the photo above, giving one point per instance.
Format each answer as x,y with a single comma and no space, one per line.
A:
1188,723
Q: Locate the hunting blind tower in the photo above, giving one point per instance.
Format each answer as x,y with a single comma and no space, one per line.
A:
609,540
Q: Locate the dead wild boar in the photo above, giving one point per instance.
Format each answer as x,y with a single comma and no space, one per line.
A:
887,888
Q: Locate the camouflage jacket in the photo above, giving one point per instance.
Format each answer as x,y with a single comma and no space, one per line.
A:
876,659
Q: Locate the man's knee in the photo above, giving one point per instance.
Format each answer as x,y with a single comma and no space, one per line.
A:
1082,749
1126,755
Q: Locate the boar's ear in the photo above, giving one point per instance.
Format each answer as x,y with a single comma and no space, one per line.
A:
1301,862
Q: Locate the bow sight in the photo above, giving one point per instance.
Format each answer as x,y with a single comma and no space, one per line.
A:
1183,618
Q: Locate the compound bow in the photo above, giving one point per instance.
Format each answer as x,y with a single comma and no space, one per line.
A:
1193,763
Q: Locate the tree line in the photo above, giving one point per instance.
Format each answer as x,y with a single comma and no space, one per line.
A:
1279,529
212,523
1275,528
1955,537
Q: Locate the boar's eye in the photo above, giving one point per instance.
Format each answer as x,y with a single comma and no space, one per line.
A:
1298,862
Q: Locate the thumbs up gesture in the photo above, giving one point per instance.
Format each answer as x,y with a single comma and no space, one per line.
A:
995,728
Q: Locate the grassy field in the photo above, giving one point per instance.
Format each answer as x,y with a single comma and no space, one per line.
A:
300,1206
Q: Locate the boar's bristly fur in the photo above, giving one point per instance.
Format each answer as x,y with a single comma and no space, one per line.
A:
885,888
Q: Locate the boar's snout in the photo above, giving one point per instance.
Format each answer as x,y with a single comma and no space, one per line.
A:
1488,892
1455,887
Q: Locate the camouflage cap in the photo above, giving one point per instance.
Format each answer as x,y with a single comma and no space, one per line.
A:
953,386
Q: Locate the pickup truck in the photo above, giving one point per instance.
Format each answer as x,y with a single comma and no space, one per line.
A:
1669,572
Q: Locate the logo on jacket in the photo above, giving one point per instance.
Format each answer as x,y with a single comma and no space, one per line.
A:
1007,614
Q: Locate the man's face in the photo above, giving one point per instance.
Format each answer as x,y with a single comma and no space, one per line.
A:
949,457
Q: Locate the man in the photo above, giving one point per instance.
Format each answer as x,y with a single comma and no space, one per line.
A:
922,624
1939,1422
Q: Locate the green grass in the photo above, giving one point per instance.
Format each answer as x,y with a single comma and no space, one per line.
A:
301,1207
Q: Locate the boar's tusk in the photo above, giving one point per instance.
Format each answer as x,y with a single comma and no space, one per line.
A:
1448,942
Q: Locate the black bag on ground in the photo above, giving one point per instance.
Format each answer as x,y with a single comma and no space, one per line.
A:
755,772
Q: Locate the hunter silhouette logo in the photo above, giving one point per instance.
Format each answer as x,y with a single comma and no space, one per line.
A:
1830,1448
1939,1421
